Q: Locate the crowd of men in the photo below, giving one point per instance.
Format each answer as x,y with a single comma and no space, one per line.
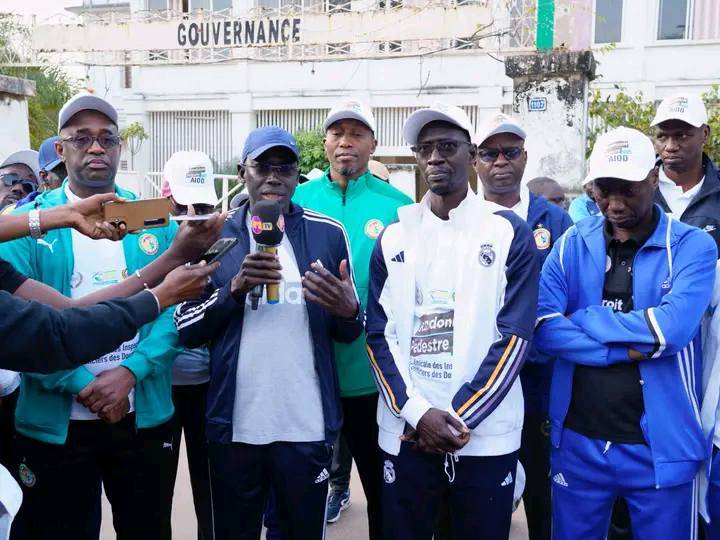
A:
447,347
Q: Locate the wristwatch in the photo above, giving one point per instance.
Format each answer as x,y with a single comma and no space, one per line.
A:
34,224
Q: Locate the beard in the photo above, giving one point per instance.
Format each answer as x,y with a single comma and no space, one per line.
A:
348,172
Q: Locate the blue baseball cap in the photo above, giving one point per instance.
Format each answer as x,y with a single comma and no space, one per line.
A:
48,157
263,139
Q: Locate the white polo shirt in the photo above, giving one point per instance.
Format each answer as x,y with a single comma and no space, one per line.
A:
677,199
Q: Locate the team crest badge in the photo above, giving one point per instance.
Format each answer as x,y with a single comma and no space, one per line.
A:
542,238
487,255
27,477
389,472
148,244
373,228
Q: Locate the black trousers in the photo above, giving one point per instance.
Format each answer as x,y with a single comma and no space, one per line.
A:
360,431
241,476
61,483
535,458
341,466
479,491
190,402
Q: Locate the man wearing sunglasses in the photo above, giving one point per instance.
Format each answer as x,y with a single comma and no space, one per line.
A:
65,448
19,173
451,312
500,166
273,401
364,204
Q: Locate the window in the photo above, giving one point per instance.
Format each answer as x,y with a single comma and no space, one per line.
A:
608,21
672,19
337,49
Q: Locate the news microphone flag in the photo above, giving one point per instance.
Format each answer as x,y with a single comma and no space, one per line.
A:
268,226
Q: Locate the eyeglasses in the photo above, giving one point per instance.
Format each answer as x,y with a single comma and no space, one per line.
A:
490,155
200,209
83,142
446,149
13,179
288,170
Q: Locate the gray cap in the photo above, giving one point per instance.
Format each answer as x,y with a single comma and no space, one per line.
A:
29,158
85,102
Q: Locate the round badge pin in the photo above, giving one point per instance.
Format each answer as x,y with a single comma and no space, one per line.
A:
542,238
27,477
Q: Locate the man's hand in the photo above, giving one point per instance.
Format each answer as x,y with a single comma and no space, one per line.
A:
112,414
434,434
337,296
259,268
108,389
184,283
88,217
193,238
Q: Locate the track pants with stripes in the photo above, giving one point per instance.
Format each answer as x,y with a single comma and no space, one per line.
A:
479,492
589,474
712,529
240,479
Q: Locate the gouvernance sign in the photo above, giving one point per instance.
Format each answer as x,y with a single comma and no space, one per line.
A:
238,32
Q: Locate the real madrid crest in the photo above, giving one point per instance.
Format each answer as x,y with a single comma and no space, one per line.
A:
27,477
487,255
542,238
388,472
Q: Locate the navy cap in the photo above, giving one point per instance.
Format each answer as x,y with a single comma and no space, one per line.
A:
263,139
48,157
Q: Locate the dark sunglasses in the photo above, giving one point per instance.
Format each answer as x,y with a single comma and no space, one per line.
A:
83,142
490,155
287,170
446,149
12,179
200,209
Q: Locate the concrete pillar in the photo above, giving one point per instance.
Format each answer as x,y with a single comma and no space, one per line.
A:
14,131
550,101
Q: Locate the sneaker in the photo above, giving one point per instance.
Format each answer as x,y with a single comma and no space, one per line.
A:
336,503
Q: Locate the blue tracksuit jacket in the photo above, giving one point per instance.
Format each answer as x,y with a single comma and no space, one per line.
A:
217,318
673,277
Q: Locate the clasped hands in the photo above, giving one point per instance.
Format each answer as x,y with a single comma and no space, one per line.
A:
434,434
107,395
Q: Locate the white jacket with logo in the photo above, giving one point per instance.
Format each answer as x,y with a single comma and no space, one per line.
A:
496,286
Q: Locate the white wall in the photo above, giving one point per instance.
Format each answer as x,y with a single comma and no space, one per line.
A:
14,130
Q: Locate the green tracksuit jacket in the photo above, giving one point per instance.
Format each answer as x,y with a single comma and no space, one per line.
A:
365,209
43,410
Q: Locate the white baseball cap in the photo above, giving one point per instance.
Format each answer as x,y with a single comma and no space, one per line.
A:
623,153
351,109
85,102
28,158
500,123
686,107
437,111
190,177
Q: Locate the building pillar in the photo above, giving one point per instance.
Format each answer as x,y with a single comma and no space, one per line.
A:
550,100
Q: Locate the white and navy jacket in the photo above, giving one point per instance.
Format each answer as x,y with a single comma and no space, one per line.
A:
216,318
673,276
495,301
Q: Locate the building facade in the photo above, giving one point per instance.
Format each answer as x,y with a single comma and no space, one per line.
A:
216,83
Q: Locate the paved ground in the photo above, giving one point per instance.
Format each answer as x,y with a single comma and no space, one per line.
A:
351,526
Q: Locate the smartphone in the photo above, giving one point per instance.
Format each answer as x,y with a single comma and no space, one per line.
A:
140,214
217,250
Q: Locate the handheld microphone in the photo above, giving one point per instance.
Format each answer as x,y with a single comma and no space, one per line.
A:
268,226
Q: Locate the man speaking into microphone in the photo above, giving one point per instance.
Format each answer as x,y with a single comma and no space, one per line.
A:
273,400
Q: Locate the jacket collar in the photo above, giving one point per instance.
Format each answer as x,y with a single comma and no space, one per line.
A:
537,208
591,231
57,197
469,209
293,218
354,187
710,186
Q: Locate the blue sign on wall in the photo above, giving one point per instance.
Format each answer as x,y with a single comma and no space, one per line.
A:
537,104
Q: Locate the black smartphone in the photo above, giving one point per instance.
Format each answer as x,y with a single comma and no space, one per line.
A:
217,250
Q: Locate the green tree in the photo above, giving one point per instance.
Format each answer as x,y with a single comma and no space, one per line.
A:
312,150
53,87
133,136
633,111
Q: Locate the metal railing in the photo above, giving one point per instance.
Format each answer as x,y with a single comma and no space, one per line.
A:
152,187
